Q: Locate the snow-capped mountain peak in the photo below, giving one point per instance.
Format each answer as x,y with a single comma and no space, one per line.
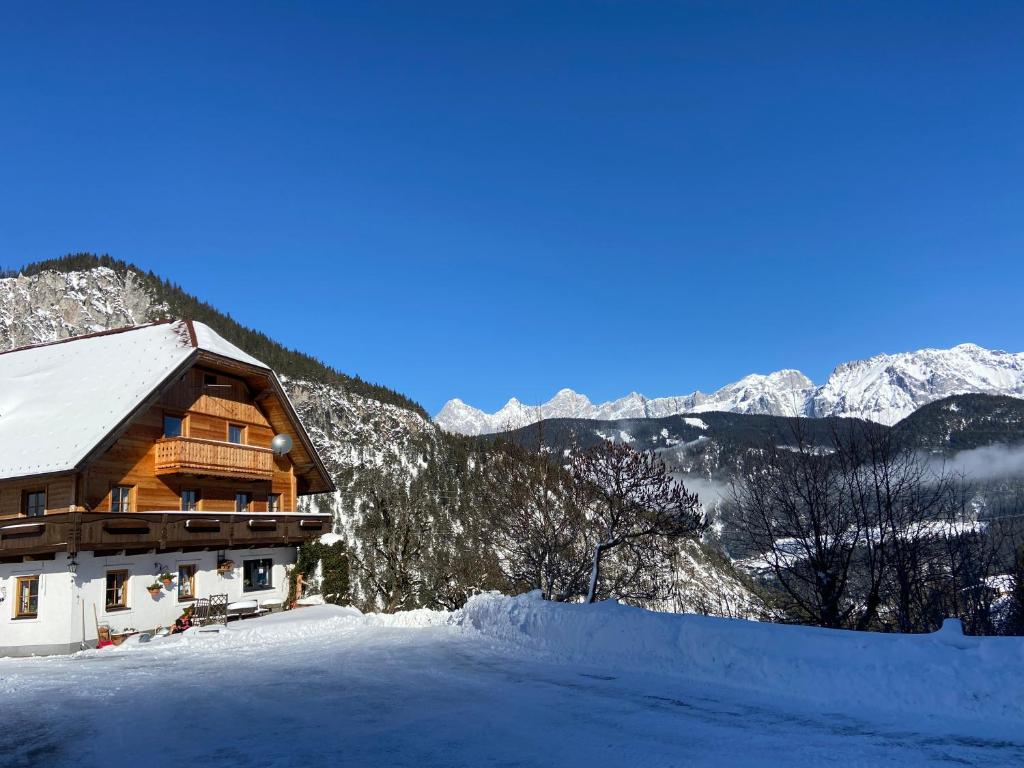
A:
884,388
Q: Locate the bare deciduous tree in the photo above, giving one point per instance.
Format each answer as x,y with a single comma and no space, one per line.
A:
537,519
867,533
637,513
792,509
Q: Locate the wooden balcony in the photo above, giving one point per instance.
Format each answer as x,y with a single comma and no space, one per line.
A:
143,531
193,456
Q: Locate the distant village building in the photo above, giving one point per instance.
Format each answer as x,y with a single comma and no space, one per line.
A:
133,453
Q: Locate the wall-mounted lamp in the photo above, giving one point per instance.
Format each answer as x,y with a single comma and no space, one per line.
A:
72,565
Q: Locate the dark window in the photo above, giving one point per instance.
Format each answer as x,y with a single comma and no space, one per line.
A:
274,502
186,582
242,502
209,380
189,500
257,574
35,503
121,498
27,597
117,590
173,426
236,434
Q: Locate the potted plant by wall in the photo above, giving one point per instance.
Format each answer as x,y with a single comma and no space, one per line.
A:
167,579
154,589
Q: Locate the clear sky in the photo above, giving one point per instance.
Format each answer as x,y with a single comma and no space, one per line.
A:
491,199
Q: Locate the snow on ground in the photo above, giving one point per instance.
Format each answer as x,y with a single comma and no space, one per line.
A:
517,681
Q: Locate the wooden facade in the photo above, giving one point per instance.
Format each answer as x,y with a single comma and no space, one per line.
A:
114,532
215,483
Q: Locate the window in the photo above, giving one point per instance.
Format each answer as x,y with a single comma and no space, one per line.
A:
26,605
236,434
242,502
186,582
35,503
117,590
256,574
209,380
189,500
121,498
173,425
273,502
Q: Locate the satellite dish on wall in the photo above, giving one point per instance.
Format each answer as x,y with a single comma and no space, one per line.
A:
281,444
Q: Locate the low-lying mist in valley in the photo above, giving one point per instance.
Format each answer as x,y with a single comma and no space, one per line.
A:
990,462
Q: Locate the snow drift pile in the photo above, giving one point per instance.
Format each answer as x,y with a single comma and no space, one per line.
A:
942,675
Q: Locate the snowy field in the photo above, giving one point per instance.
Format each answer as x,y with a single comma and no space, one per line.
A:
518,682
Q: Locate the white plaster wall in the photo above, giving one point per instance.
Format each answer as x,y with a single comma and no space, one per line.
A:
70,606
57,596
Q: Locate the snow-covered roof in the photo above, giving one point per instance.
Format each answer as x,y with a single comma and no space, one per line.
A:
208,340
58,401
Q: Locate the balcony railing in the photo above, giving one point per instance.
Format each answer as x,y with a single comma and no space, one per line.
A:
193,456
140,531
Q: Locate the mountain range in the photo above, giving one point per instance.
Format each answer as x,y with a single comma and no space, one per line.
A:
884,388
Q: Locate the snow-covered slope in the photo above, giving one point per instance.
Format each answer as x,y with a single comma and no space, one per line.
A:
884,388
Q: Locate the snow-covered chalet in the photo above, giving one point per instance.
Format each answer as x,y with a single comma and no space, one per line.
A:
129,455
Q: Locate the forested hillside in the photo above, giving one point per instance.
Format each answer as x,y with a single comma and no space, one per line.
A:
963,422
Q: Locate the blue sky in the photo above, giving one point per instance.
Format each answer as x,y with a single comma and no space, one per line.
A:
492,199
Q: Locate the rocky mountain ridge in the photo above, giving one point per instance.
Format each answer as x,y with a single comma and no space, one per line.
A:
885,389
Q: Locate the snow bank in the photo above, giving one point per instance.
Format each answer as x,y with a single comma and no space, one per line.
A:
943,675
310,624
